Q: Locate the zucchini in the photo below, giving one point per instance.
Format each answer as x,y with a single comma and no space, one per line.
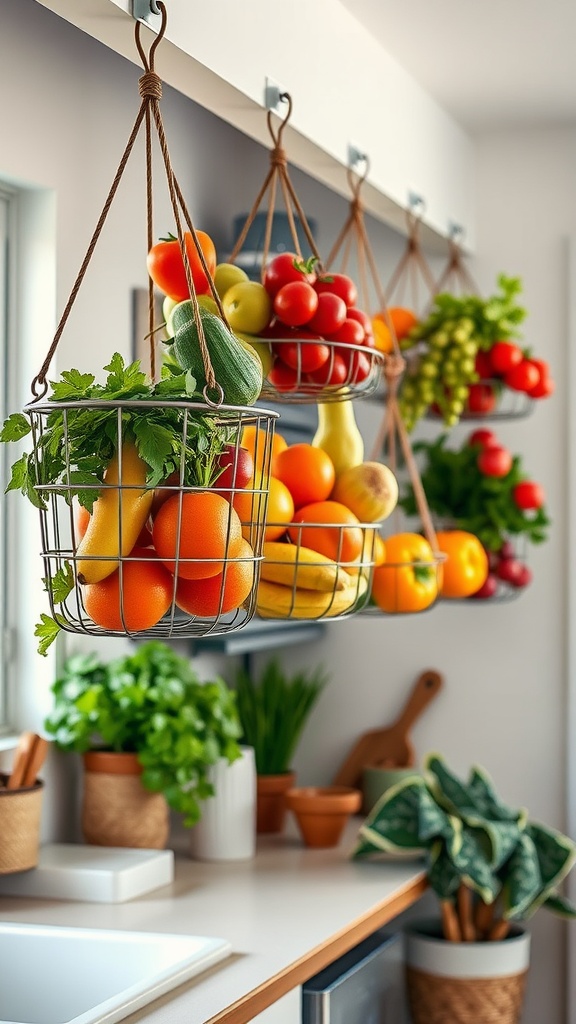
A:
237,371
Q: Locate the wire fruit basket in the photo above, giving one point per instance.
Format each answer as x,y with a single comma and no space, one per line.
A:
176,560
317,570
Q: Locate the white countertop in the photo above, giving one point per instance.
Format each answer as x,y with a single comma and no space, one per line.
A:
287,913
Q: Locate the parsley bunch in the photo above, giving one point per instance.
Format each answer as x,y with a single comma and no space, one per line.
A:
76,445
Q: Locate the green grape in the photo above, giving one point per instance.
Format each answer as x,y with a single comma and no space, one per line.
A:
467,366
439,339
428,368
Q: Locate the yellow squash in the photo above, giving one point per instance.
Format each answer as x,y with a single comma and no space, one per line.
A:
124,502
338,435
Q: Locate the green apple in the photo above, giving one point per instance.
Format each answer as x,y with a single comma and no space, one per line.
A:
247,307
261,348
209,303
167,307
225,275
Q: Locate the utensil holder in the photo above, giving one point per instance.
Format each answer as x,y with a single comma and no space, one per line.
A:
20,813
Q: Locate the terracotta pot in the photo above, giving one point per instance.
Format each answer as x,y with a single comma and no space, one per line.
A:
322,812
271,801
465,982
116,809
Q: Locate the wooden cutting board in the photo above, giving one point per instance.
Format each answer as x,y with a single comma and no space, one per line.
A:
390,747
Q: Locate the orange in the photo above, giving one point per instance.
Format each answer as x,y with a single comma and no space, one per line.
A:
403,320
222,593
382,334
308,473
147,589
379,553
279,510
342,541
254,440
210,531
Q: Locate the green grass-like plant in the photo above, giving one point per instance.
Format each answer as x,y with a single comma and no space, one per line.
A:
273,711
487,863
150,703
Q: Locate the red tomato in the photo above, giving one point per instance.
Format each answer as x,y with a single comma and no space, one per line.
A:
339,284
504,355
166,266
282,269
488,588
523,377
363,319
516,573
358,364
481,398
543,389
483,366
304,355
330,314
528,495
495,461
283,377
333,373
350,333
485,438
295,303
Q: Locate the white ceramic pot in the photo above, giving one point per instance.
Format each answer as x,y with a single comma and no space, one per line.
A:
465,982
227,828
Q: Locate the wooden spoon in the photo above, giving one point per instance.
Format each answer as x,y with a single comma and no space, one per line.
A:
29,757
390,747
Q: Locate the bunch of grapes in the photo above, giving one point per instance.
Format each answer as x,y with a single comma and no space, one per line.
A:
442,370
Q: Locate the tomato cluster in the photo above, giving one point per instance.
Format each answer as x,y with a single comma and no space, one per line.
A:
505,363
316,331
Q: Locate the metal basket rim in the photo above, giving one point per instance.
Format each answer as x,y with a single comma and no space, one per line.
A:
135,403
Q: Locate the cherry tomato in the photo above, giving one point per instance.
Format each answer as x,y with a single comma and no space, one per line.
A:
305,355
349,333
485,438
483,366
481,398
523,377
358,364
333,373
363,319
166,266
488,588
284,268
528,495
330,314
543,389
295,303
514,572
283,377
339,284
504,355
495,461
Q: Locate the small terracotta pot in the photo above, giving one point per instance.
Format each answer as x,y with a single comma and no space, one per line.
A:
271,801
322,812
116,809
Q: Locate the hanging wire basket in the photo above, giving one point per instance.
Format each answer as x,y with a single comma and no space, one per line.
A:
509,575
193,567
347,370
299,581
179,557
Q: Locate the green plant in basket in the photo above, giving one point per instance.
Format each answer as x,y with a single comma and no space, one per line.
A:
273,711
153,704
487,863
483,490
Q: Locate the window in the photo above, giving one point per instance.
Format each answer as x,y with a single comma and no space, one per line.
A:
7,216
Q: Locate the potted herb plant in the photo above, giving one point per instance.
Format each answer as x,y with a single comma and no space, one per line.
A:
149,731
273,711
482,489
491,869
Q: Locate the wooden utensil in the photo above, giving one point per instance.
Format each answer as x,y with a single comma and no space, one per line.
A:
29,756
390,747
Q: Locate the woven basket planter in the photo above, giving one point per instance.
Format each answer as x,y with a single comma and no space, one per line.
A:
116,809
465,982
20,813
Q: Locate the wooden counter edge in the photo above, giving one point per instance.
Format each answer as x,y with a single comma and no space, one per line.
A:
259,999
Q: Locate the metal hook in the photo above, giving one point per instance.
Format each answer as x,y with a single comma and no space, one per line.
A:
146,11
416,204
455,231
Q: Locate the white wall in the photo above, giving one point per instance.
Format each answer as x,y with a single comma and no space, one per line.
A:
72,103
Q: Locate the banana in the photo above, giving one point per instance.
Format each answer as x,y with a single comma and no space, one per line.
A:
297,566
275,601
98,553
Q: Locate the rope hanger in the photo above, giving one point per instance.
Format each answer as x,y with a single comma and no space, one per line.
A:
150,87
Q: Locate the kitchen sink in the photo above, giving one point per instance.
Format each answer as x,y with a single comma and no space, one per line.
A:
59,975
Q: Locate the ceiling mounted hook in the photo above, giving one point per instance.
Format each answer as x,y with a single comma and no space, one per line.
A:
147,11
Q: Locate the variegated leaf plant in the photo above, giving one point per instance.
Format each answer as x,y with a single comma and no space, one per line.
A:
487,863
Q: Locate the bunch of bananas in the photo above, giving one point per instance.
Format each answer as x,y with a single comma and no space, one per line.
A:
298,583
